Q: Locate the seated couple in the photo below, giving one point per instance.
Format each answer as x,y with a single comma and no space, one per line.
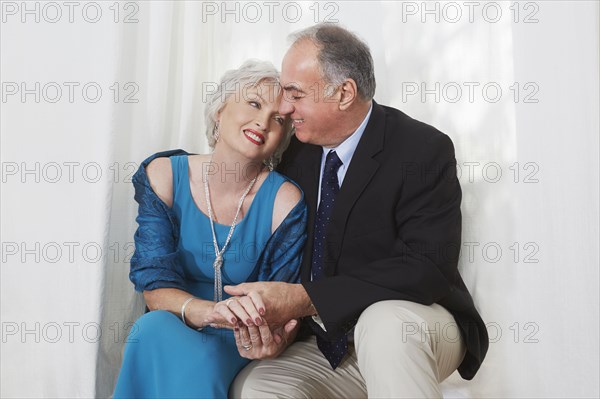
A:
311,253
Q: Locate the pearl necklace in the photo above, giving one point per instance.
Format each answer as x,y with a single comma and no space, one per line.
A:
218,263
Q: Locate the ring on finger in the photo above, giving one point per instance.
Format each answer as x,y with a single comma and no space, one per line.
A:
247,347
228,303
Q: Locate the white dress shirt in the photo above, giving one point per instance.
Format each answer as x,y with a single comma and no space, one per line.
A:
345,151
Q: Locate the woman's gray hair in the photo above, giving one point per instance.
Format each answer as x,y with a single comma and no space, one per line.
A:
341,55
236,82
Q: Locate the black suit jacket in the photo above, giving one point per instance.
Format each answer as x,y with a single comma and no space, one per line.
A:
395,230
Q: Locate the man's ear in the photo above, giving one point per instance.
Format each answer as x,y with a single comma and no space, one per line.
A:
348,94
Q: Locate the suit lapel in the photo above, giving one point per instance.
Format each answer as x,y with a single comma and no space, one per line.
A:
362,169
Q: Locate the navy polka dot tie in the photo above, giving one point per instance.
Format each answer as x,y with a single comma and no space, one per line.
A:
334,351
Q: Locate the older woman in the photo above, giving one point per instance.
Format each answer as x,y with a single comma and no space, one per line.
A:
206,221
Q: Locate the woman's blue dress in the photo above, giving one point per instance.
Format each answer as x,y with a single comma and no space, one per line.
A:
163,357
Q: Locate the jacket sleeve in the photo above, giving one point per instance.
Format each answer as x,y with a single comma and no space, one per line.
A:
282,256
154,263
421,265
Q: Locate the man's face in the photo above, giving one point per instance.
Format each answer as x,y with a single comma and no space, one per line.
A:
314,116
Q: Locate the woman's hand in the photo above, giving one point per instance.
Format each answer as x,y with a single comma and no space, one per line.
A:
196,312
230,312
279,301
259,342
172,299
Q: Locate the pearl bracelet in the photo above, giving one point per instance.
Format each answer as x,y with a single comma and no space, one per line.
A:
187,301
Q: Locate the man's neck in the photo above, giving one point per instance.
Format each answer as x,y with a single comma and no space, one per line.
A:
351,120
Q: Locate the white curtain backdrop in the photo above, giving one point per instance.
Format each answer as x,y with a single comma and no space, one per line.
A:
89,89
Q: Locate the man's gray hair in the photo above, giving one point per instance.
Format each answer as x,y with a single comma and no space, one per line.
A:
341,55
235,83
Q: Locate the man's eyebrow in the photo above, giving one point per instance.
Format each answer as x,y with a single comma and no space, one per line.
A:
292,86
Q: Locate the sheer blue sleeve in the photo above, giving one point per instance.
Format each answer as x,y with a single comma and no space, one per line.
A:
282,256
154,263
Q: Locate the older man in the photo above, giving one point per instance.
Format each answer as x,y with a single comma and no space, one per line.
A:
387,310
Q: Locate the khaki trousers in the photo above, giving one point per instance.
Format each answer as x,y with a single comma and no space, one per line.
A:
401,350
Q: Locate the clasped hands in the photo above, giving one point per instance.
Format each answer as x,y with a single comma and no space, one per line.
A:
261,316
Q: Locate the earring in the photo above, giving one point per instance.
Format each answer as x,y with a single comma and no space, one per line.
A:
216,132
270,163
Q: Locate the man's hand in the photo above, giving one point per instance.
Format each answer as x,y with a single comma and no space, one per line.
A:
259,342
275,301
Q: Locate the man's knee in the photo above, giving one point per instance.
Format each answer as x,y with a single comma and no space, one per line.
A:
257,381
385,315
246,385
401,321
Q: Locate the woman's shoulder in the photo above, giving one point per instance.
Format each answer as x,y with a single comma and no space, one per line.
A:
287,190
158,172
160,177
163,154
288,196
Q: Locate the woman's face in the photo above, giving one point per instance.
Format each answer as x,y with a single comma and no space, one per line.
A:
249,122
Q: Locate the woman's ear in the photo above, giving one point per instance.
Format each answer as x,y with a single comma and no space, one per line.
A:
219,112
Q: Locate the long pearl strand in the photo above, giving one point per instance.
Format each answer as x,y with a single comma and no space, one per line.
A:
218,263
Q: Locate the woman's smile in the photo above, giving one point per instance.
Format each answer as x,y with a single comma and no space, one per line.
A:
254,136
